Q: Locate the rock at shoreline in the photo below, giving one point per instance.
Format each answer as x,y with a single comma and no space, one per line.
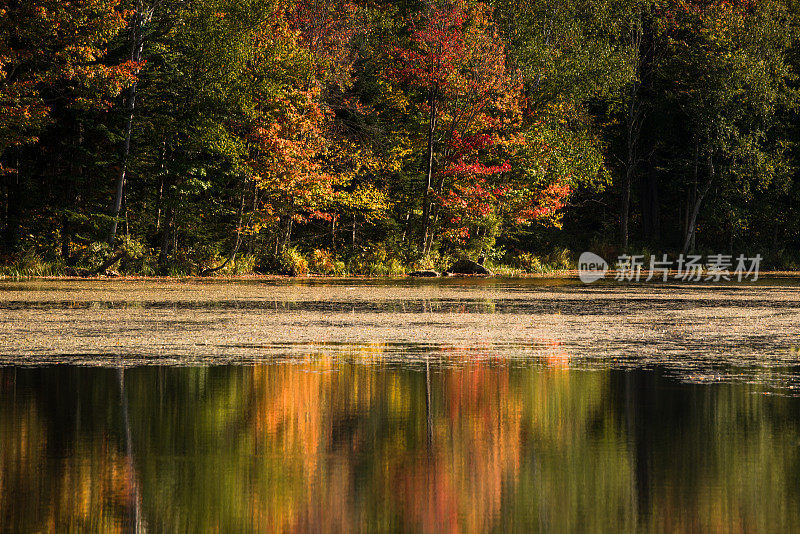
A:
424,274
468,267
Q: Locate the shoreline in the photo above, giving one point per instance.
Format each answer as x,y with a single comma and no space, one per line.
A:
571,274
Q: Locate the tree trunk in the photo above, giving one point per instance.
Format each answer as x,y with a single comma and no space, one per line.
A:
13,207
655,215
432,231
159,200
111,261
286,222
433,216
66,227
426,202
251,243
163,253
776,234
626,205
689,241
649,205
235,251
633,130
137,44
687,208
75,171
633,127
125,218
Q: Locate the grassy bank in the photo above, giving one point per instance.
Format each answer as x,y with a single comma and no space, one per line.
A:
371,262
367,262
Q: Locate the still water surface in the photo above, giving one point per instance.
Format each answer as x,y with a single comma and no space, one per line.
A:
455,405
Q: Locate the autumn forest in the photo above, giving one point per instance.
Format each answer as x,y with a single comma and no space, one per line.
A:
185,137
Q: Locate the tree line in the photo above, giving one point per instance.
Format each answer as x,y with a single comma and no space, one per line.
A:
201,136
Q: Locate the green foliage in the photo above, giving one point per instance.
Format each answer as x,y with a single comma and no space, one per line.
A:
30,264
558,259
92,256
561,258
293,263
323,262
375,260
530,263
244,264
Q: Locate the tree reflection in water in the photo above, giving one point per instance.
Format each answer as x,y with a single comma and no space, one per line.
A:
342,444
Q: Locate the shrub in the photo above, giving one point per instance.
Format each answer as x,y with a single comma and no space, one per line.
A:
293,263
244,264
92,256
434,261
375,261
530,263
180,265
322,262
392,267
560,259
135,249
30,264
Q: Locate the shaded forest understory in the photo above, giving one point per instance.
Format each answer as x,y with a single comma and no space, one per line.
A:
347,137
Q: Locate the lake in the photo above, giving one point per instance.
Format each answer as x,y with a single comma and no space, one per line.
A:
399,405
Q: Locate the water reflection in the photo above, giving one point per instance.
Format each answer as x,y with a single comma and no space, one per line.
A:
325,444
